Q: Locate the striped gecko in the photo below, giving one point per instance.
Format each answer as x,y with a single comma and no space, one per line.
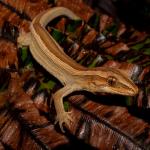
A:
72,75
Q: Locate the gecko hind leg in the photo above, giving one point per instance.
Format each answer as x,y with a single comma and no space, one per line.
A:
63,117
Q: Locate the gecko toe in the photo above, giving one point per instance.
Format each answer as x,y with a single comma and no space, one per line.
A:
64,118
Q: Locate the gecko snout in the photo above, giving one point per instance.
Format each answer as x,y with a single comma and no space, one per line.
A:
133,90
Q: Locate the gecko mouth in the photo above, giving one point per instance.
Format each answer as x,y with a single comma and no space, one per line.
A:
128,92
125,91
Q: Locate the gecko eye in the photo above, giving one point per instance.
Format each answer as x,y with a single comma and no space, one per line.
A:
112,81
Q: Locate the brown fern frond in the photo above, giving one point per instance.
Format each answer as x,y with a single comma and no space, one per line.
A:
108,127
21,122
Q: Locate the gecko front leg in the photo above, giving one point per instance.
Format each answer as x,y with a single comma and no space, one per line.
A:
62,115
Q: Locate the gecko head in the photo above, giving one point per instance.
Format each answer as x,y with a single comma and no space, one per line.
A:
112,81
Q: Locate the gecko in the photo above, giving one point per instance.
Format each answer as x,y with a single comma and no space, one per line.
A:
73,76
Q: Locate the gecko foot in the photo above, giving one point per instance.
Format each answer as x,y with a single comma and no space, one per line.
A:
64,118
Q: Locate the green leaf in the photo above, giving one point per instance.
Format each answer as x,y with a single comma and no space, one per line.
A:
147,41
66,105
146,64
81,62
29,65
137,46
57,35
111,29
133,59
48,85
129,101
147,51
26,57
24,53
95,61
109,57
4,86
73,25
51,84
